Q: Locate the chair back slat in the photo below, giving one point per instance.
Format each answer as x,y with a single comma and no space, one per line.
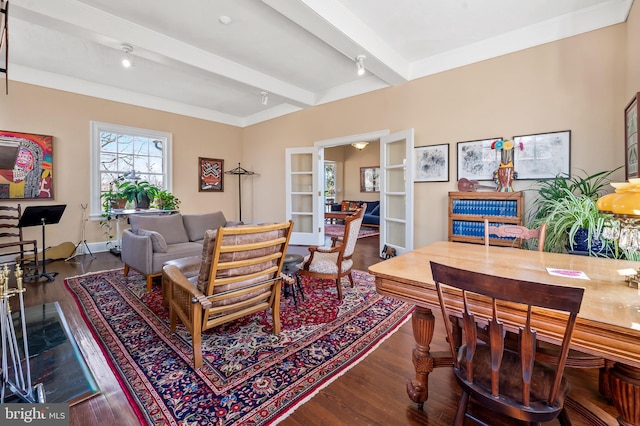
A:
500,378
518,232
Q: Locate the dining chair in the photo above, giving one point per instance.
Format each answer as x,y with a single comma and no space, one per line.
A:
335,262
518,232
547,352
510,382
12,241
239,274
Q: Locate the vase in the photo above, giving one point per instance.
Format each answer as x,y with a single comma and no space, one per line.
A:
504,177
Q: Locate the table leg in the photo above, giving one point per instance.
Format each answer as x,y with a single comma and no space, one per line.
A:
625,391
423,323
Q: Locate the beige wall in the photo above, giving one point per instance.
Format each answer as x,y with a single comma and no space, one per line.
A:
633,49
581,83
66,116
573,84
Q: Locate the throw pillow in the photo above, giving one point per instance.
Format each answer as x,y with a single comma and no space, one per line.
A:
376,210
157,240
197,224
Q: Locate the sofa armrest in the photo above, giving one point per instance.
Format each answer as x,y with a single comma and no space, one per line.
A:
137,251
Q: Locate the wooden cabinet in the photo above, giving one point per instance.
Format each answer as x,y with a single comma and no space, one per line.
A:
467,211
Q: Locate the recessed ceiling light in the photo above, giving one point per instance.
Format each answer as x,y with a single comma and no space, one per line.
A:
224,20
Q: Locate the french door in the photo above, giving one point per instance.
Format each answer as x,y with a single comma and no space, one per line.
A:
396,191
303,200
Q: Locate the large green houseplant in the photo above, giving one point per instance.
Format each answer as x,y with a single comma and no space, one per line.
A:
567,204
165,200
141,192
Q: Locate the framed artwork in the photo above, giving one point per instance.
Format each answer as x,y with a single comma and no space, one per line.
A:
431,163
476,160
26,166
211,172
631,138
369,179
542,155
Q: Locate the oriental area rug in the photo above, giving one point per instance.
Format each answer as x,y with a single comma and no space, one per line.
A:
337,230
250,375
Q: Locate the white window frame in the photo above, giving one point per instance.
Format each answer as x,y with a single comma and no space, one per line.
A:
99,127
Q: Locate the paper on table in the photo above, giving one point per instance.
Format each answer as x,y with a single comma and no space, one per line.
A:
568,273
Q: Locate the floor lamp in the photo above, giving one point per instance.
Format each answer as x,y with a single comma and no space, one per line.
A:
239,171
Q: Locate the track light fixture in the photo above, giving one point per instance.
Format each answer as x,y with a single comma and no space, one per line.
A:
127,59
265,98
360,64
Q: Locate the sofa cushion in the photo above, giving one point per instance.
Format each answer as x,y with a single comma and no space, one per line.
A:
170,226
375,211
197,224
157,240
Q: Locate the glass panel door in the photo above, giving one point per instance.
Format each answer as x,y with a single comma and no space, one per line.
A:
301,194
396,192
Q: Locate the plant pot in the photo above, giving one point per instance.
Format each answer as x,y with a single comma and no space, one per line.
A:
581,244
143,203
119,204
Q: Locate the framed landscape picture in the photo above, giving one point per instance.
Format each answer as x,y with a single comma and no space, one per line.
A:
631,137
211,172
542,155
431,163
476,159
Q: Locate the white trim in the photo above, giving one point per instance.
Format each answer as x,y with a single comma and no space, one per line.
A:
95,128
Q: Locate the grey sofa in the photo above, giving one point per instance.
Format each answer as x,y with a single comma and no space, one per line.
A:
153,240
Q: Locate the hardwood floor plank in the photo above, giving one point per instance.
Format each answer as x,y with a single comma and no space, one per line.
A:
371,393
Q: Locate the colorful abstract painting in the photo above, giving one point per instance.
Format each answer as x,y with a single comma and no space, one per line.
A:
26,166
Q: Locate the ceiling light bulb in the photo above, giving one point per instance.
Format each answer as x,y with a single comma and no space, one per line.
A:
265,98
127,60
360,64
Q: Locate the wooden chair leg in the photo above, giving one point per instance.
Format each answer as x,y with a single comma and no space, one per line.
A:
126,269
351,279
196,336
339,287
462,409
275,309
149,283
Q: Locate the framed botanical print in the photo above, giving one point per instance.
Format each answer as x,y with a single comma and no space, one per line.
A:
631,137
211,171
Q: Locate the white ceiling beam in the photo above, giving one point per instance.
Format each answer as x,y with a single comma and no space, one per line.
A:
335,25
110,30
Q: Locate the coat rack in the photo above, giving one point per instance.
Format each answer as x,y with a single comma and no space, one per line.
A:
239,171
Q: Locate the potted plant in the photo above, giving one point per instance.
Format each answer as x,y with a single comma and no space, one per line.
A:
113,199
142,193
165,200
568,206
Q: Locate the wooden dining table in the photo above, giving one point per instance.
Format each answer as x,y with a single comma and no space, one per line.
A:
608,324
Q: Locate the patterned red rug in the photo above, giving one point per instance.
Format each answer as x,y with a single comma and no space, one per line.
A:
250,376
337,230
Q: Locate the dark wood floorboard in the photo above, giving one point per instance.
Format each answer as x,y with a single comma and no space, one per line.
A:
371,393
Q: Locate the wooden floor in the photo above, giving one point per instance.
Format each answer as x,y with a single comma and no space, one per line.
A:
371,393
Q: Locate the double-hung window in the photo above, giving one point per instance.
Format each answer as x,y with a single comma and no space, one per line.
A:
121,152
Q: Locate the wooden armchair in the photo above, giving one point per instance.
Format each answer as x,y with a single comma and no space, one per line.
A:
240,273
505,381
335,262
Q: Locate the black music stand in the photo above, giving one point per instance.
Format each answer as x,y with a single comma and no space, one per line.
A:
41,216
